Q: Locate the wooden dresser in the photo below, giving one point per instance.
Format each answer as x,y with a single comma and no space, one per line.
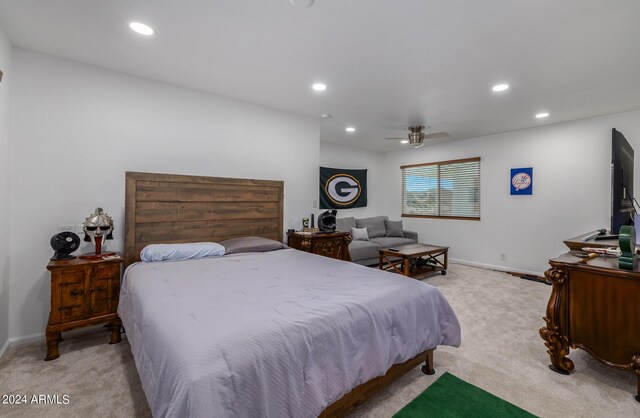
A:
83,293
594,306
333,244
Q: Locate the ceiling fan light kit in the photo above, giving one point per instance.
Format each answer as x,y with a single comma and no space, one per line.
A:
416,136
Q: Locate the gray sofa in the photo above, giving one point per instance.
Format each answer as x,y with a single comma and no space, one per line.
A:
379,229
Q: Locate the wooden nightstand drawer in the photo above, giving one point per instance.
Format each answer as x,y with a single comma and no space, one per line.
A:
71,294
72,313
72,276
104,297
102,289
101,307
106,272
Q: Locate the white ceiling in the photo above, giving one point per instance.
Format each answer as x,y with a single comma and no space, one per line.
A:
387,63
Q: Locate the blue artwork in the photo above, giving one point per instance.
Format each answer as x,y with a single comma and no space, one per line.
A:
522,181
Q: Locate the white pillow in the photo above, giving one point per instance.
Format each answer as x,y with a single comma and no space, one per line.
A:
359,234
177,252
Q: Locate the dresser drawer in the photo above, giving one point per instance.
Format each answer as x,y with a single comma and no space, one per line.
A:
106,272
71,313
101,307
102,289
328,247
71,276
71,301
71,294
104,296
68,297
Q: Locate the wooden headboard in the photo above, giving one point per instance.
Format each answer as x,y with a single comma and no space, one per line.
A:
169,208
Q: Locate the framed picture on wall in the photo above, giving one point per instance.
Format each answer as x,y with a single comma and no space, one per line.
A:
522,181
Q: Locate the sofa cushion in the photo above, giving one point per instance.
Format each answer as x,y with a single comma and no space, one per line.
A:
345,224
375,226
359,234
394,228
386,242
363,249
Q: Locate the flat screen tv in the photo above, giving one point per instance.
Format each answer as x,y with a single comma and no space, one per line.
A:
622,206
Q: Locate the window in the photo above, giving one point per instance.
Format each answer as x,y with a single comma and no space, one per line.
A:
445,189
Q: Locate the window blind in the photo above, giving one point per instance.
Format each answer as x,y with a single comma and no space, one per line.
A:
445,189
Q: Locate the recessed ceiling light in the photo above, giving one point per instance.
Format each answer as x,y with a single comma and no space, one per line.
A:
319,87
141,28
350,129
500,87
542,115
302,3
404,141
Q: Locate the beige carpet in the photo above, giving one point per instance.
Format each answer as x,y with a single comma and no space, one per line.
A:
501,352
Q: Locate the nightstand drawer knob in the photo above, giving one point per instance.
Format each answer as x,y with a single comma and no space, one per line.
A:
74,293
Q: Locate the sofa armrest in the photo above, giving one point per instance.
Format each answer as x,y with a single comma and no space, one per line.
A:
412,235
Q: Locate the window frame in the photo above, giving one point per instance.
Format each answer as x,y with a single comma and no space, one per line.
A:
440,163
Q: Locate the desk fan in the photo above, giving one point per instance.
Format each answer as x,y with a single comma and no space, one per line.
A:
64,243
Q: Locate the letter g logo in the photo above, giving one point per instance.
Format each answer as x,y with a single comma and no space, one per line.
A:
342,189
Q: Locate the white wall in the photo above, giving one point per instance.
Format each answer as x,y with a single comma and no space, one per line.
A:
5,66
338,156
571,190
77,129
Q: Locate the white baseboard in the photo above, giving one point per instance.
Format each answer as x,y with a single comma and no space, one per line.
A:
25,339
492,267
4,348
28,339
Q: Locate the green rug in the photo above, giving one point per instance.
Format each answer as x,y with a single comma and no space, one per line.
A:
452,397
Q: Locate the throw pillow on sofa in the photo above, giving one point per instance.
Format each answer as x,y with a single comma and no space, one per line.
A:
345,224
359,234
394,228
375,226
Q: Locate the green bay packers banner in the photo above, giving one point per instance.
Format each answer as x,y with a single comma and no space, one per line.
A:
342,189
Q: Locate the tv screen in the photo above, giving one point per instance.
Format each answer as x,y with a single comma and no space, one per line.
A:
622,206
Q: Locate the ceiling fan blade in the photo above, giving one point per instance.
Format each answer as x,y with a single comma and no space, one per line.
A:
436,135
398,138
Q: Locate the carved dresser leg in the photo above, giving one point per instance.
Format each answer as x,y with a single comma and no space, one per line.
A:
638,384
53,338
557,344
636,368
557,348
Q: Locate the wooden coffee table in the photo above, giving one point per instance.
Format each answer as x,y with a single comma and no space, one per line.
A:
413,259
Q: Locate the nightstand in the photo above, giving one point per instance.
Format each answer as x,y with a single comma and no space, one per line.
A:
83,293
332,244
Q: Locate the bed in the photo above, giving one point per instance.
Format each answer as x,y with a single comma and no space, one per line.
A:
261,333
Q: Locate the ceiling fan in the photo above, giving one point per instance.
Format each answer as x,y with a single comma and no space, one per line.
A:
416,137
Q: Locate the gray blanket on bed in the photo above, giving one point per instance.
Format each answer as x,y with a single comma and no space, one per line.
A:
275,334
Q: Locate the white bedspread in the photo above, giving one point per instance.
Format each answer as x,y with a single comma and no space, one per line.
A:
275,334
